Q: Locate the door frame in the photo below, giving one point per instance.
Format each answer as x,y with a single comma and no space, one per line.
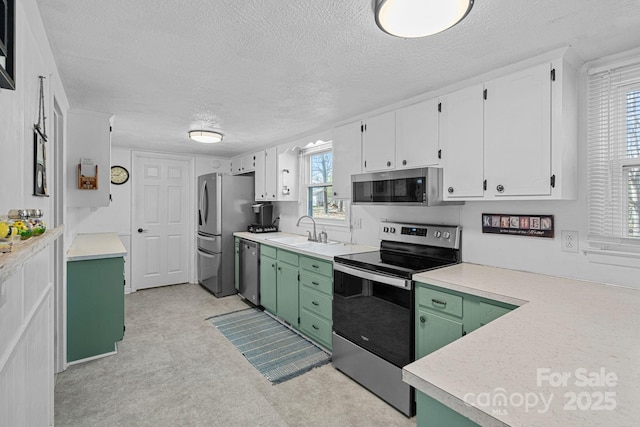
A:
59,259
191,189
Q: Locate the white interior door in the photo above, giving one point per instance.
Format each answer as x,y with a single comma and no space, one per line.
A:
160,221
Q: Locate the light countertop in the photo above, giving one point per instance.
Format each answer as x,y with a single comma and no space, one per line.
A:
322,251
96,246
587,332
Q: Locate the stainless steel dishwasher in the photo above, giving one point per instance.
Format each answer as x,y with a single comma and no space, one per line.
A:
250,271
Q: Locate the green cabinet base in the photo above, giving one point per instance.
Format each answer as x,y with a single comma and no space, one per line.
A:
95,307
432,413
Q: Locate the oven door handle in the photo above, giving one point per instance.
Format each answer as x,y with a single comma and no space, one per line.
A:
364,274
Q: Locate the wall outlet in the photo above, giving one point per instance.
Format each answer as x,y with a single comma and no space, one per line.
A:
569,241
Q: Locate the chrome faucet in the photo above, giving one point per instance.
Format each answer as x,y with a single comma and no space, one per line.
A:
313,238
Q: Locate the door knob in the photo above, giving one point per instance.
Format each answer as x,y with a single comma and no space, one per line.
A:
422,319
141,230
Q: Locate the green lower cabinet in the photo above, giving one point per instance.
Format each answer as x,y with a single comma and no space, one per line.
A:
268,279
434,332
95,307
236,280
287,293
315,327
439,415
443,316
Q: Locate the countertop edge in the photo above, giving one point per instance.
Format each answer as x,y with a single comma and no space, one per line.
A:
460,406
254,237
110,247
25,250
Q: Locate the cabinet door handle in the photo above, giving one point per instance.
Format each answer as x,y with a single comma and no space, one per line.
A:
404,163
315,283
315,327
273,265
279,268
422,319
388,163
450,190
500,188
315,266
315,303
437,301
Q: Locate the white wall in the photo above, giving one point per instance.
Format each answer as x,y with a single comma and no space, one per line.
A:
116,217
26,298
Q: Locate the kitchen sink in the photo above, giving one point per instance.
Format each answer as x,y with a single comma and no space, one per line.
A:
300,242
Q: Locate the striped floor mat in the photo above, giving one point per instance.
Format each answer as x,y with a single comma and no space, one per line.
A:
277,352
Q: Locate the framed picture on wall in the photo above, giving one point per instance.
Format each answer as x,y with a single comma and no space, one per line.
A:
39,163
7,44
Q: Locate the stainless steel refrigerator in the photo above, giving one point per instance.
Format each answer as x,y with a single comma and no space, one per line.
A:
224,206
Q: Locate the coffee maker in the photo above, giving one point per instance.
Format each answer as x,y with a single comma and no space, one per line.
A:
263,219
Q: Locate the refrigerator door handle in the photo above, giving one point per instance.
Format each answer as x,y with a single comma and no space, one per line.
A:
205,196
200,205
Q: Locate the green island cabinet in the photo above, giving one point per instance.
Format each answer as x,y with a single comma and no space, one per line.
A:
95,307
299,290
443,316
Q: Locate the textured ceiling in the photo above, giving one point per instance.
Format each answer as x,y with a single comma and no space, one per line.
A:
265,71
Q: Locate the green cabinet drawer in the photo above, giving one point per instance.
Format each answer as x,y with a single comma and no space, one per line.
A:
324,268
316,302
440,301
316,328
490,312
269,251
316,282
288,257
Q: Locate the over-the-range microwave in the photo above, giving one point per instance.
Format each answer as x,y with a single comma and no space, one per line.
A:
408,187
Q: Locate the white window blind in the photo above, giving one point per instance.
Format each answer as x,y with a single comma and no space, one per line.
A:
614,158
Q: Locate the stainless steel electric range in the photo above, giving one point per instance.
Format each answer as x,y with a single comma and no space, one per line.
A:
373,305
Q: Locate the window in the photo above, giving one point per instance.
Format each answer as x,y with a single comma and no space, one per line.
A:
614,158
321,205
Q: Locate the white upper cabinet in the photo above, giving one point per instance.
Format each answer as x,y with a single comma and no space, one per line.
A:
517,129
266,164
462,143
378,142
514,137
347,157
244,163
417,141
287,174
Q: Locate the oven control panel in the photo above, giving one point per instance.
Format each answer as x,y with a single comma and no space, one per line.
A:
447,236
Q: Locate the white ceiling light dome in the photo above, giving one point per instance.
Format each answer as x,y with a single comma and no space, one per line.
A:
420,18
205,136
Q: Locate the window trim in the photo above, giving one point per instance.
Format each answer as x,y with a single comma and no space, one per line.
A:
305,167
607,190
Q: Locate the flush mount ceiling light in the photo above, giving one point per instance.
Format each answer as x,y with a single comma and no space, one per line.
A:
205,136
419,18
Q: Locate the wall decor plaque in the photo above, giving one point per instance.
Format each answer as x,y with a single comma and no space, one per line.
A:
518,224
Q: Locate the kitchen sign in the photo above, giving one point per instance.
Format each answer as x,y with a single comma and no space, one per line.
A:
518,225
